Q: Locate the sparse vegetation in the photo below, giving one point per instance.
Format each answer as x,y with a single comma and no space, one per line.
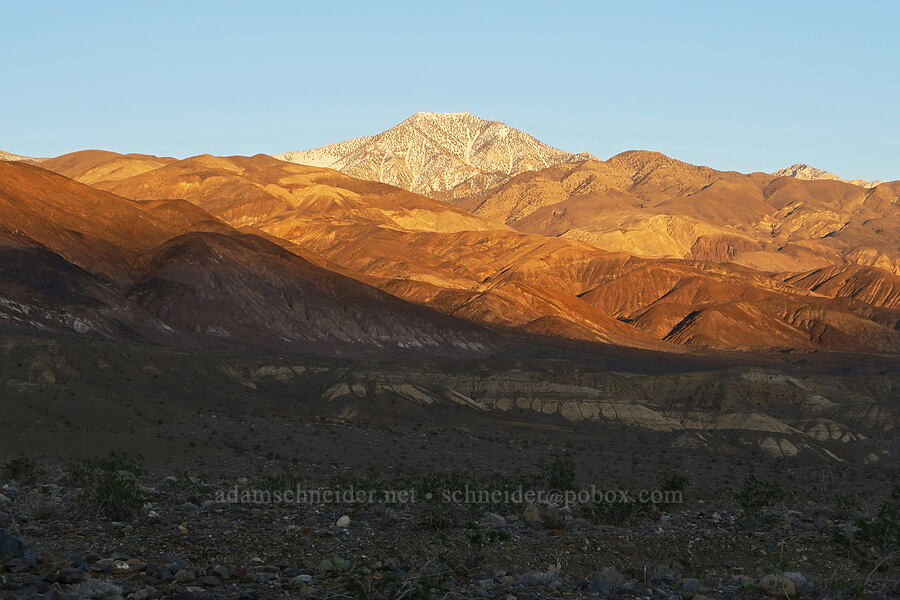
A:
110,483
21,469
755,495
883,530
559,473
876,541
673,483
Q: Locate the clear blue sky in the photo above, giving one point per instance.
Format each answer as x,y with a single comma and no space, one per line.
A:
746,86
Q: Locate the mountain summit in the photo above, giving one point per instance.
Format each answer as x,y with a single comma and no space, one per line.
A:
442,155
804,171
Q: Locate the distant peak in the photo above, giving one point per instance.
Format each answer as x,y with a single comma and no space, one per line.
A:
450,117
809,173
16,157
447,115
442,155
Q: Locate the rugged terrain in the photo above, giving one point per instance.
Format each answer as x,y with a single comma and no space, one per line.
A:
175,330
650,205
441,155
432,253
79,259
776,461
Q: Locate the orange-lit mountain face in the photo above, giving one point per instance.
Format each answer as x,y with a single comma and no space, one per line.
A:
75,258
551,283
98,166
650,205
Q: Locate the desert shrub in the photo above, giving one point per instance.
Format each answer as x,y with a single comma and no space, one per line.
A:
435,515
672,483
277,481
21,469
883,530
876,539
755,495
110,484
616,513
477,539
559,473
419,586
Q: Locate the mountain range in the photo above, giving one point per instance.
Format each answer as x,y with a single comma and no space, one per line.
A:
641,250
650,205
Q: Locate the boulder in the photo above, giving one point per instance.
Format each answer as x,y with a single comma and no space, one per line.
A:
10,545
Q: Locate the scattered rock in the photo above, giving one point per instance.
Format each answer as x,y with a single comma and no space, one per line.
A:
120,567
538,579
10,545
136,565
301,580
690,588
184,576
801,583
777,586
143,594
208,581
71,575
494,520
93,589
221,572
606,581
344,521
56,593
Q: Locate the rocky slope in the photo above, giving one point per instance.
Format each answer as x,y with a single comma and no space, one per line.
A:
804,171
441,155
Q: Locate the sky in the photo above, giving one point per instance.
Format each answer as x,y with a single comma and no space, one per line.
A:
744,86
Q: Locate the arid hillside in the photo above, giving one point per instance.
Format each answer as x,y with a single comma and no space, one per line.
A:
78,259
650,205
436,254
